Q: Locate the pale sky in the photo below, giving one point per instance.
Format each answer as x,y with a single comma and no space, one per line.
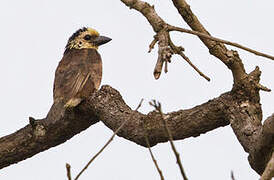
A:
33,36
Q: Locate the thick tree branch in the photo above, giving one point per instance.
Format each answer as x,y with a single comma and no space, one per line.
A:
108,106
245,123
41,135
246,118
264,147
240,107
269,170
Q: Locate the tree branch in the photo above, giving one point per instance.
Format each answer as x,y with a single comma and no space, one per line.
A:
173,28
68,171
179,50
269,170
108,106
261,153
160,27
230,58
246,118
240,107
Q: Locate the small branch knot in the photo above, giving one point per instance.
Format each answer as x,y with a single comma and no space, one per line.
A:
32,122
38,129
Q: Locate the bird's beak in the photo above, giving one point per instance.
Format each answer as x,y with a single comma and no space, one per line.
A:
100,40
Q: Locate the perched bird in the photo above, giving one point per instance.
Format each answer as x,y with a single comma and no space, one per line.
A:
79,72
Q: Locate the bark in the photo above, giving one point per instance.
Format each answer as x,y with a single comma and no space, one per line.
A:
240,107
108,106
244,111
256,139
228,57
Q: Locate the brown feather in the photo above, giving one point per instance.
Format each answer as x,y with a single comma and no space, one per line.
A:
78,75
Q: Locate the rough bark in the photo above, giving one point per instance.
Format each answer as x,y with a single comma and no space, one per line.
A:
246,117
240,107
269,170
108,106
228,57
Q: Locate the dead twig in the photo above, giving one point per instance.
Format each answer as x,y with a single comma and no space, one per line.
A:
152,44
174,28
192,65
164,53
158,107
232,175
68,171
152,156
107,143
179,50
263,88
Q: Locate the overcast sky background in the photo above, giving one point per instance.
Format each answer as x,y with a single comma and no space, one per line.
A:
33,36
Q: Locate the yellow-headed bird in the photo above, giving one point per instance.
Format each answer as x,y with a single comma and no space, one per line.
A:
79,73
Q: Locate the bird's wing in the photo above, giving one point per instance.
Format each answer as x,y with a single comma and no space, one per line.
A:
79,82
74,77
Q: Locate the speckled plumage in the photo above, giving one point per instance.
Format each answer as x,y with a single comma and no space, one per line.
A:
76,41
79,72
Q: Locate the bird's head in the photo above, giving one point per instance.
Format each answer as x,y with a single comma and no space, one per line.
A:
86,38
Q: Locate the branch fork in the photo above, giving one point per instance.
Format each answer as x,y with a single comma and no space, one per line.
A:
166,49
240,107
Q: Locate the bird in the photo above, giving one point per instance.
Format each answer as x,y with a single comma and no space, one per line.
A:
79,72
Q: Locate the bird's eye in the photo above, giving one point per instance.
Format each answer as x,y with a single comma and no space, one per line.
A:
87,37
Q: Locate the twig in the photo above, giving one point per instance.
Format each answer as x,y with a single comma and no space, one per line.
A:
152,44
192,65
263,88
68,171
108,142
179,50
164,53
173,28
152,156
158,107
32,122
232,175
166,67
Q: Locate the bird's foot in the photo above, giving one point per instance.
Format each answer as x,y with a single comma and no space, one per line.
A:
73,102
